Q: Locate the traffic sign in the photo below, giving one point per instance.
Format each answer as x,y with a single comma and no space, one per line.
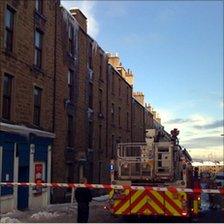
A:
111,167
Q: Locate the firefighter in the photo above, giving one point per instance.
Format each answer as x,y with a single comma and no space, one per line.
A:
83,196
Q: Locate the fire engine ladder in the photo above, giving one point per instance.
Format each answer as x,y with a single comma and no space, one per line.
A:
135,161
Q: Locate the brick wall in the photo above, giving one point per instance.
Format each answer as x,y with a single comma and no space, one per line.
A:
70,162
119,103
20,62
138,121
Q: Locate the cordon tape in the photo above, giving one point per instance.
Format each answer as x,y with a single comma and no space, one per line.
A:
111,186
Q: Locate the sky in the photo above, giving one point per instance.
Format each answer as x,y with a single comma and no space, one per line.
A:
175,50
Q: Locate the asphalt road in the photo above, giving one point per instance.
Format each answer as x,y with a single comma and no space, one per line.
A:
67,213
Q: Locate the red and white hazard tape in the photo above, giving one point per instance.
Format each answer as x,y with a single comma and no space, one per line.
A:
111,186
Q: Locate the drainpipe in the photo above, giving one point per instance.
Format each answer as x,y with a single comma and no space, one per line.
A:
54,87
107,80
55,67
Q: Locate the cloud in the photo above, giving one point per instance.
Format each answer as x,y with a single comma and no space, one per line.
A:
210,154
215,124
88,9
178,121
200,134
203,142
212,125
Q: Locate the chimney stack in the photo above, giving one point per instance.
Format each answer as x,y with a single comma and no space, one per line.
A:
114,60
139,96
80,17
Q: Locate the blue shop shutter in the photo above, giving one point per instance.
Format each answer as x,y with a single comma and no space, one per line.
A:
7,167
24,154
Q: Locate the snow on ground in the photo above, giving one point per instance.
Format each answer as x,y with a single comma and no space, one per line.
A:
44,214
101,198
53,212
8,220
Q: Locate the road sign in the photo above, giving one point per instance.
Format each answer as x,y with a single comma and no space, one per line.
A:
111,167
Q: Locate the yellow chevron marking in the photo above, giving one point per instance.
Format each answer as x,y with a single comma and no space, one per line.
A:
116,202
176,201
147,211
123,207
139,205
195,205
158,196
171,209
111,193
126,191
155,206
136,195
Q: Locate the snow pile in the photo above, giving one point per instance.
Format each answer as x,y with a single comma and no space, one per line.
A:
61,208
44,214
8,220
101,198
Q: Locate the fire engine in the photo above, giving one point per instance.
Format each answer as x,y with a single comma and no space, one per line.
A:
158,162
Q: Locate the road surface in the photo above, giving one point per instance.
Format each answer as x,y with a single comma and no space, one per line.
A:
67,213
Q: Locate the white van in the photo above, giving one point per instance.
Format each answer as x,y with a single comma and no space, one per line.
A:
219,179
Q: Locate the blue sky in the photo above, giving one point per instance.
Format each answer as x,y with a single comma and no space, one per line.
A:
175,50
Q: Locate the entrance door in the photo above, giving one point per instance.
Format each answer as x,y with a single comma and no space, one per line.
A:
23,176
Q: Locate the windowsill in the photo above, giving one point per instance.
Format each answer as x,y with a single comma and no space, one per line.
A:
37,127
4,120
90,109
72,57
69,147
36,69
40,15
69,102
9,53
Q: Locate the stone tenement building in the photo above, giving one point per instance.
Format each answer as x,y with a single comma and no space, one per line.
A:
27,98
65,103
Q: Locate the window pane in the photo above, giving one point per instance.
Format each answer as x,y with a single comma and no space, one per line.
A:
70,131
90,134
69,78
8,40
36,118
38,6
37,96
70,33
6,108
37,59
38,39
9,18
7,86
